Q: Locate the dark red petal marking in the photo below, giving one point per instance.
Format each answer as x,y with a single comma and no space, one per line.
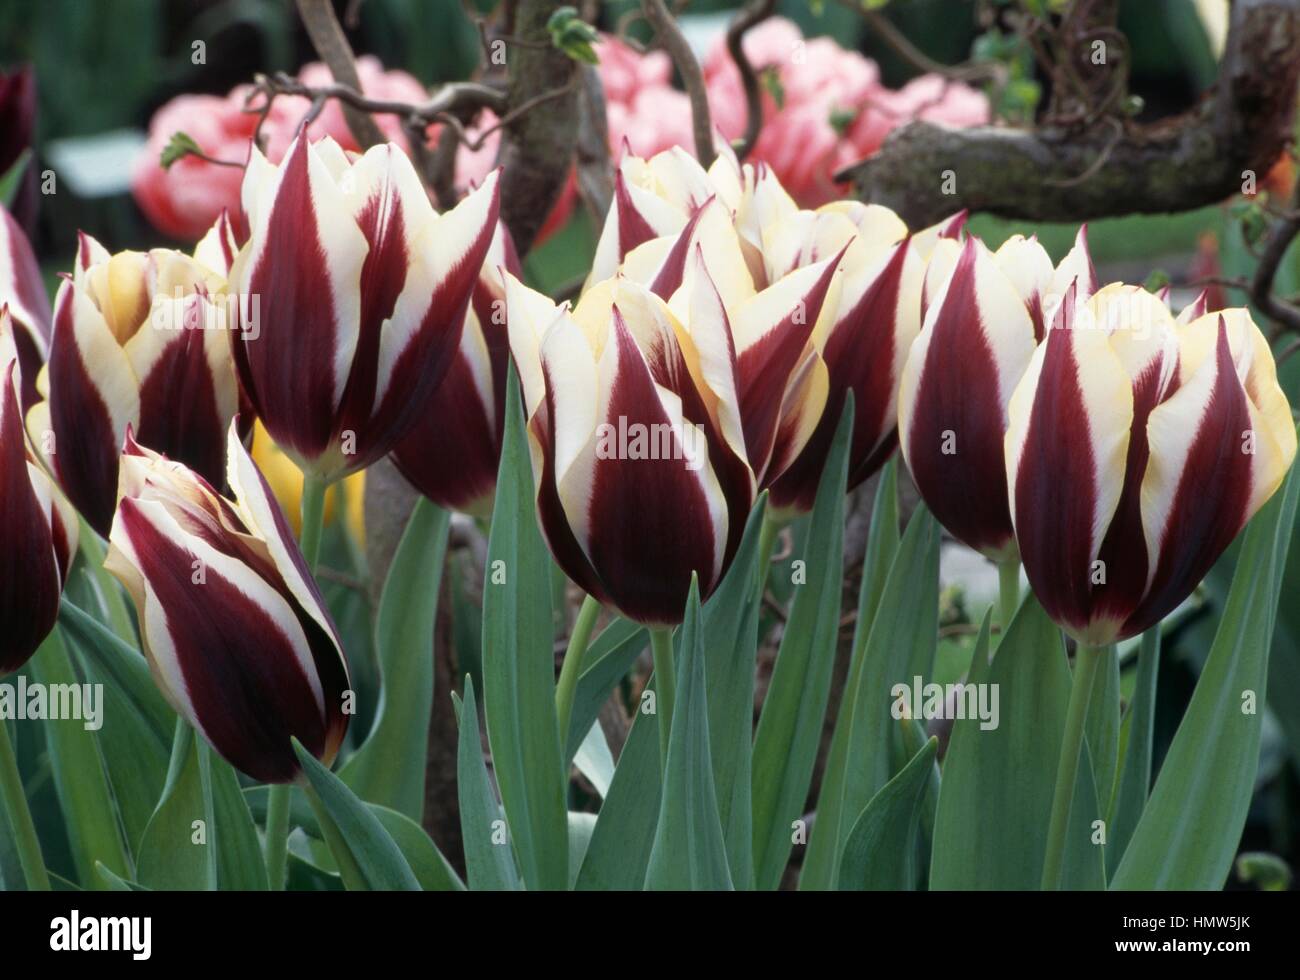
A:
554,522
450,455
1056,483
382,277
178,407
30,362
29,576
28,285
1124,548
958,393
248,692
429,352
764,369
1210,504
669,278
649,521
859,358
85,445
633,229
289,369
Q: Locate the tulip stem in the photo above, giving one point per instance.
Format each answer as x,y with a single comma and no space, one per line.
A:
661,643
277,834
1086,660
567,685
313,518
20,816
1008,591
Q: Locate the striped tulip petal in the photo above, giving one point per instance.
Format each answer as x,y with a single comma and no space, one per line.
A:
23,291
1066,447
976,342
36,541
235,631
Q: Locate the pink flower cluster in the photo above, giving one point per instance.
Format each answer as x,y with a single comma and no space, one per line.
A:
833,111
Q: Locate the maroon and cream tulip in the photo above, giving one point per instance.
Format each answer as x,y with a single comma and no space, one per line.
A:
980,329
352,291
38,534
141,341
452,452
1138,448
236,633
23,291
637,438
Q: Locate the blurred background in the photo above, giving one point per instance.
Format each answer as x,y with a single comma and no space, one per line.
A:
103,71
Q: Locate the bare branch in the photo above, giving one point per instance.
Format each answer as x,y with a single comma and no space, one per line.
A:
750,16
331,44
672,40
1283,233
595,174
1174,164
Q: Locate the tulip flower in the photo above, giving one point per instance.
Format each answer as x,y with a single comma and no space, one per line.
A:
981,325
1138,448
352,294
38,535
637,440
452,451
235,630
347,497
23,291
17,130
140,340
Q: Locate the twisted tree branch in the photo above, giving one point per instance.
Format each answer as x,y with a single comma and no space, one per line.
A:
750,16
672,40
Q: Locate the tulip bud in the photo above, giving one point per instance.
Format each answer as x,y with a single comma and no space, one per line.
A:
982,316
38,537
23,291
235,630
637,441
452,452
140,340
352,295
1138,448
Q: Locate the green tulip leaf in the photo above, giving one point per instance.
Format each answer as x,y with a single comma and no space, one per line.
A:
689,852
519,668
1189,831
881,850
389,767
488,861
177,852
1135,775
790,726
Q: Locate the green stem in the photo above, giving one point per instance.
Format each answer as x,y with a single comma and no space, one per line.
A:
1008,591
766,544
20,817
661,643
1086,660
313,518
567,685
277,834
108,589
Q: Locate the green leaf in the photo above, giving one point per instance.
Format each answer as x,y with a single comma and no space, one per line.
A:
232,833
899,648
488,862
389,767
367,856
880,851
689,852
432,870
573,36
995,799
1101,727
790,727
519,668
176,852
1191,827
607,661
619,850
818,871
730,655
179,146
90,813
13,177
1135,776
114,883
1083,867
